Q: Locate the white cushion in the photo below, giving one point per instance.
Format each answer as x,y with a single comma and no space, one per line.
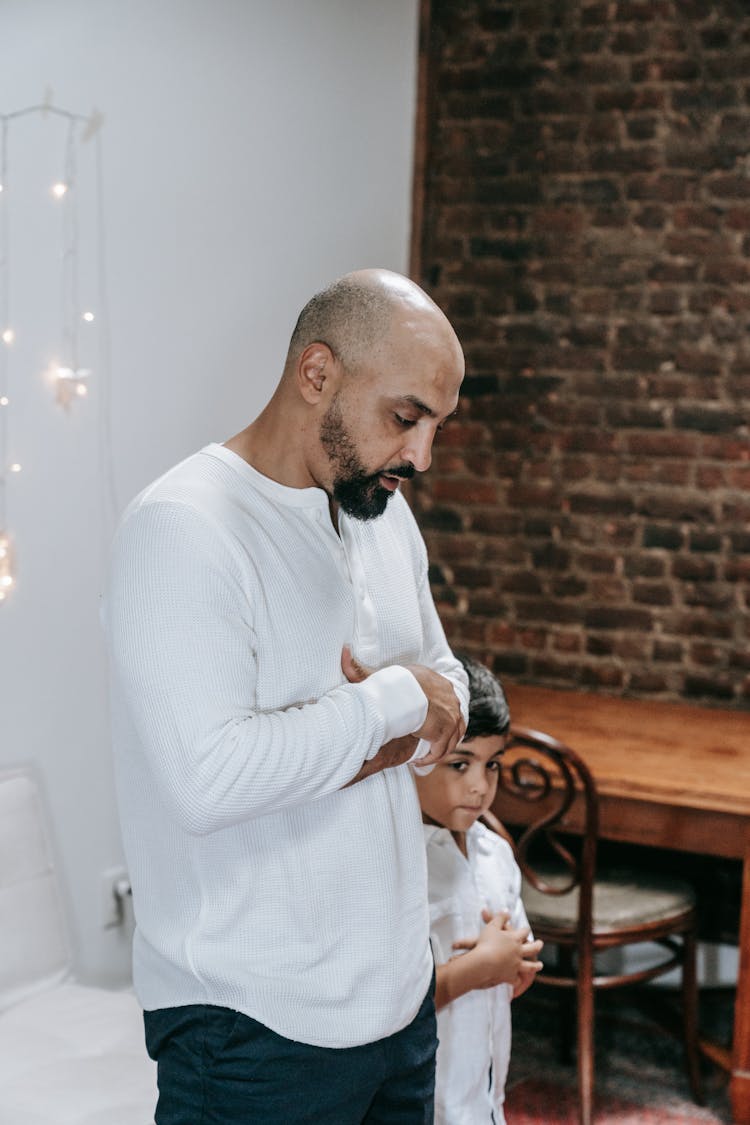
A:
75,1056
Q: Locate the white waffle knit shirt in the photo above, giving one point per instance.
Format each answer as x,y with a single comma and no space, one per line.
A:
259,884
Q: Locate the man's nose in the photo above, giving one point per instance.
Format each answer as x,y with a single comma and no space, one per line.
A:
418,451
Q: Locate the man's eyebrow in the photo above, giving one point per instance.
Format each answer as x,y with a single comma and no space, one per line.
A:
423,408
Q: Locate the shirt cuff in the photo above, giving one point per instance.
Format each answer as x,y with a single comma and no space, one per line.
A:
399,699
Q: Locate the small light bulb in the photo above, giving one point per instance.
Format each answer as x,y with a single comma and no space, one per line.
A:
4,400
8,336
59,189
81,390
15,467
2,188
6,565
88,316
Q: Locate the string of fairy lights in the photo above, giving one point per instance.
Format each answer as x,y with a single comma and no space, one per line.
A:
66,374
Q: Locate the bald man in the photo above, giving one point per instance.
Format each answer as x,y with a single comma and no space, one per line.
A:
276,661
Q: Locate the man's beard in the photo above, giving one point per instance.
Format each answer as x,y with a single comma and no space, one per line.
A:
357,492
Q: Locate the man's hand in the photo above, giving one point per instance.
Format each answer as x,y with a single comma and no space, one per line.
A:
393,753
443,727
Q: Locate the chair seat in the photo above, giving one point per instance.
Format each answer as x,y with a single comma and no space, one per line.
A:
622,900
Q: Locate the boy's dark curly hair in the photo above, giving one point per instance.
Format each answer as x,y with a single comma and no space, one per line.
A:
488,707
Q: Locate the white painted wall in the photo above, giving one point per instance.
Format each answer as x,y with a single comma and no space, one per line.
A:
252,151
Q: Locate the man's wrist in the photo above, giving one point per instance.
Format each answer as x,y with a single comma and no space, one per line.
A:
395,692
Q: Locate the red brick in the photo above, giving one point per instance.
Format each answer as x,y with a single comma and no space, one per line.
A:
668,651
647,683
662,445
651,593
602,675
567,642
690,216
705,654
466,491
615,617
612,590
738,218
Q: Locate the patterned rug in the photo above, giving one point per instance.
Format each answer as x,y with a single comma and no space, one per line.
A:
640,1073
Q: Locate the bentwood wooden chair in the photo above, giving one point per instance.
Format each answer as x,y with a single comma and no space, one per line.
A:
546,787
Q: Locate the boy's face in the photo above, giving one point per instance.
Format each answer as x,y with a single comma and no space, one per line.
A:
463,784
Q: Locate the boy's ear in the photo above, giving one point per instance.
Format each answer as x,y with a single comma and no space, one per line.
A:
317,373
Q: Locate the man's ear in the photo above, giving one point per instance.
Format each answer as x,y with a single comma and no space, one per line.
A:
317,373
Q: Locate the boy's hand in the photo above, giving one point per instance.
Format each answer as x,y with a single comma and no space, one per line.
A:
501,955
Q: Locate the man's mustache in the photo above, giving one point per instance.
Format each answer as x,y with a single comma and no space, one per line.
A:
406,472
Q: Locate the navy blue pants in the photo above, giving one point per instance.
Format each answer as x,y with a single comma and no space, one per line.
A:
218,1067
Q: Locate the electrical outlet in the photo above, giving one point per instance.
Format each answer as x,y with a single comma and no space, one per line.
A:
115,891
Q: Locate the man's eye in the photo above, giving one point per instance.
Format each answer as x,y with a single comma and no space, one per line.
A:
405,422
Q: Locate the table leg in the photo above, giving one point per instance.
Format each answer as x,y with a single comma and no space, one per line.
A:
740,1081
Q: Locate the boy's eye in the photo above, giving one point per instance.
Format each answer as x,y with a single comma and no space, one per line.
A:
494,766
459,767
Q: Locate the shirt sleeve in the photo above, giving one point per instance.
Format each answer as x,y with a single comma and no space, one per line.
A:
182,657
436,653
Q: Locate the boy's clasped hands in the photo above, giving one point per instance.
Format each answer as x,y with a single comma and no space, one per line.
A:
500,955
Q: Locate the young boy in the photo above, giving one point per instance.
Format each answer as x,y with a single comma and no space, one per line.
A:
483,950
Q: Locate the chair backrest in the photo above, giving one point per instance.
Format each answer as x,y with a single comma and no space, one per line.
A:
34,950
548,790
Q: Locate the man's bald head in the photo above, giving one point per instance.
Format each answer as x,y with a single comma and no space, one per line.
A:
355,313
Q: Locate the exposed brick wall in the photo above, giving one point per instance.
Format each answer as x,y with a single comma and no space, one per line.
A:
587,229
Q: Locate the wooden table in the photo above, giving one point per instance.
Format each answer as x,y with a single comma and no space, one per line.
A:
672,775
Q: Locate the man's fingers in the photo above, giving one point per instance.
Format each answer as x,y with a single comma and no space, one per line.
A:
354,671
442,746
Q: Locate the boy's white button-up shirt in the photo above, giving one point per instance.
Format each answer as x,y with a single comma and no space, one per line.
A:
474,1031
